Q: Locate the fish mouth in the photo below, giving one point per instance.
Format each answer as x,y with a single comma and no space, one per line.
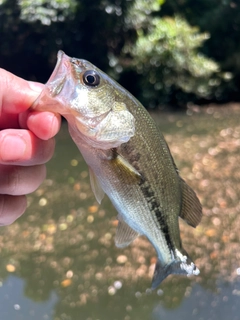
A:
60,56
54,85
62,65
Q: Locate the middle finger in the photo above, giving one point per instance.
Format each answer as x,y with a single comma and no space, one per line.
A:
18,180
22,147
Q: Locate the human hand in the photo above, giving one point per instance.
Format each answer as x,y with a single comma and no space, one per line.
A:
26,144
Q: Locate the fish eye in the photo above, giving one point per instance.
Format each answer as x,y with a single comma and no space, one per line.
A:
91,78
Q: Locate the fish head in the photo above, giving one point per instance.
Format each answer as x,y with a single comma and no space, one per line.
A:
92,103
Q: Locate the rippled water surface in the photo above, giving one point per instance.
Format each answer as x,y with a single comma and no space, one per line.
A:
59,261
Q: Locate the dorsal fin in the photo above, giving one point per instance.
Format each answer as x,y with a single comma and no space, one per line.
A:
124,234
191,210
96,187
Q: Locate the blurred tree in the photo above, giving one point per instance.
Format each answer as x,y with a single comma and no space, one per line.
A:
221,19
156,57
166,57
47,11
33,32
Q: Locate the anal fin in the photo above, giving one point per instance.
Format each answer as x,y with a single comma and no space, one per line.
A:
124,234
191,210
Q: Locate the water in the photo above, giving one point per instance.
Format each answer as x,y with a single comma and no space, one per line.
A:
59,262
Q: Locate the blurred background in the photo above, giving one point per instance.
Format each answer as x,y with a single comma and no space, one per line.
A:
166,52
181,59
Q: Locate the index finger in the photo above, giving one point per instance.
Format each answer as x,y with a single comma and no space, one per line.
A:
16,94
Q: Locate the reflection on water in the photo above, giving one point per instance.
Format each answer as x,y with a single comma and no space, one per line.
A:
64,245
14,304
200,303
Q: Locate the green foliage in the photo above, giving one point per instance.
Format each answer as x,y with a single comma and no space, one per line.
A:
167,56
139,13
148,46
46,11
221,19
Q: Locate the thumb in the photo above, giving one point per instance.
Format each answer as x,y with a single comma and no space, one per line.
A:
17,94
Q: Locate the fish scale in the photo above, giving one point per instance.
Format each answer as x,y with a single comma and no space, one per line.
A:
128,160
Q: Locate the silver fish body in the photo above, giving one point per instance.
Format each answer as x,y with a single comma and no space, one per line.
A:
128,160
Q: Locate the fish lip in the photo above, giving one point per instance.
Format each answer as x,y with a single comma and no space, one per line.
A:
62,58
59,72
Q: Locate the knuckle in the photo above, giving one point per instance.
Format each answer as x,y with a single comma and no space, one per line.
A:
48,150
14,180
11,208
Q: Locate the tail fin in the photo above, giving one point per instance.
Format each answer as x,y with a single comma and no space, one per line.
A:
185,266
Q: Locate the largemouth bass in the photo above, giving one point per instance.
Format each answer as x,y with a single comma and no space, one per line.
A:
128,160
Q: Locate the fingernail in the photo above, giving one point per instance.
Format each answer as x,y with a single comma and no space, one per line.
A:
36,86
12,148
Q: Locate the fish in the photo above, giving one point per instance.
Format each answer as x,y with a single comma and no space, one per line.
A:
128,159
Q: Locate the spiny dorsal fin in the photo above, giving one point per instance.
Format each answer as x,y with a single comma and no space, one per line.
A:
124,234
96,187
191,210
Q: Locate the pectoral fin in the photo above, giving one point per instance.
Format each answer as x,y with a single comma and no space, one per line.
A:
96,187
191,210
124,234
122,165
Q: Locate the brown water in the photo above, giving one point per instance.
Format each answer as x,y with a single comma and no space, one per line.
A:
59,262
